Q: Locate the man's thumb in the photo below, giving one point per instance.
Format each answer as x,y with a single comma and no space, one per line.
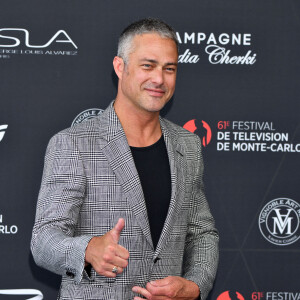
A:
116,231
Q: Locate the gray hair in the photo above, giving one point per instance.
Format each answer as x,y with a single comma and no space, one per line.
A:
143,26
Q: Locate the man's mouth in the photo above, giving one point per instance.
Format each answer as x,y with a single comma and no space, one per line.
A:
155,92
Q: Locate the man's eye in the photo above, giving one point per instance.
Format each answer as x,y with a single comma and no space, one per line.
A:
146,65
170,69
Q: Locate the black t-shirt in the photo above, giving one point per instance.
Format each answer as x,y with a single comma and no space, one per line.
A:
153,167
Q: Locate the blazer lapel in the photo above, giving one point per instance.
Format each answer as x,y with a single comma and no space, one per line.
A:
118,155
176,155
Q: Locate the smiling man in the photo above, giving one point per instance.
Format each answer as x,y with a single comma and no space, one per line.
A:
121,212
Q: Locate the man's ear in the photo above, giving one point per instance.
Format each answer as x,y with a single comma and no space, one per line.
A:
119,66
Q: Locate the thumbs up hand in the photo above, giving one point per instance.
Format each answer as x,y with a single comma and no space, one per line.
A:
107,257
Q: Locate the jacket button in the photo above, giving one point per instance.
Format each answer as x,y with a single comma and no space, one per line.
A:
70,274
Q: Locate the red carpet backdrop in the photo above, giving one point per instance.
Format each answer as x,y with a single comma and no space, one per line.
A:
237,88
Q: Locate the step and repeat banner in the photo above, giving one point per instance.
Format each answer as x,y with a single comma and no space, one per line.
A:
237,88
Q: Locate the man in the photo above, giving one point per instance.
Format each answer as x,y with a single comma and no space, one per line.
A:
121,212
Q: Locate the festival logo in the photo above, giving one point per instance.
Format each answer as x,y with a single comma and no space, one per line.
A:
203,130
231,295
279,221
253,136
257,295
276,295
266,295
7,229
244,136
2,131
86,115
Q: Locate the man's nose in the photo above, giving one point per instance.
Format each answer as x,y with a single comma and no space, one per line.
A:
158,76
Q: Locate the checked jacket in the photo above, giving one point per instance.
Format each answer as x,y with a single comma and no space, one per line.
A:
90,181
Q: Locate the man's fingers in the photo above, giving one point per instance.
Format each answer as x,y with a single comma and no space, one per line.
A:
109,274
118,256
122,252
116,231
119,262
108,269
146,294
142,291
161,282
162,288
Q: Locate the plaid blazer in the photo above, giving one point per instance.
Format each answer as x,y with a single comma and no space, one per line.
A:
90,181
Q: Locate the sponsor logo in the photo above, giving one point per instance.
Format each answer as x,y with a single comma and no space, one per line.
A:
37,295
231,295
279,221
86,115
2,131
205,131
216,48
7,229
16,41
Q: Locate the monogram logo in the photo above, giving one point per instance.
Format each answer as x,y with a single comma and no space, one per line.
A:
282,222
279,221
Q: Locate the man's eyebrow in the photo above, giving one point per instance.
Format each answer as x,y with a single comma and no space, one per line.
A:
150,60
171,64
156,62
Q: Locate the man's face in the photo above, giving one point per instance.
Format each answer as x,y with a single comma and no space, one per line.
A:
148,79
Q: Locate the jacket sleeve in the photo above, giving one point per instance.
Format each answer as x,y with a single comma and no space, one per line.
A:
201,249
54,243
